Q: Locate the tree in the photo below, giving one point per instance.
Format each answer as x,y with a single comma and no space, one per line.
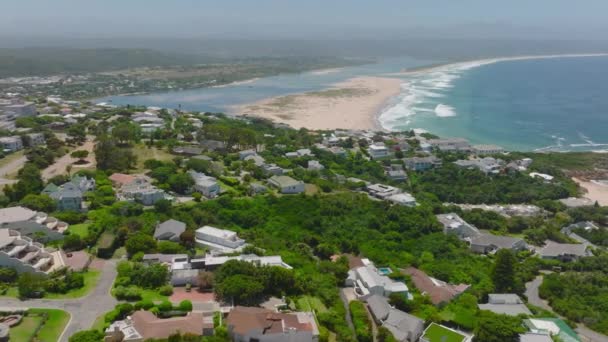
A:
38,203
126,132
503,273
399,301
240,289
80,155
30,182
87,336
163,206
72,242
185,305
77,133
205,281
181,183
7,275
140,242
187,238
31,285
492,327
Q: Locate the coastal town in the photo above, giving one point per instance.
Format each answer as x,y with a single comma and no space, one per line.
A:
132,223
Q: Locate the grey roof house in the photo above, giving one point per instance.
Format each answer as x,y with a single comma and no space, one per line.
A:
563,251
454,224
505,304
488,243
403,326
169,230
286,184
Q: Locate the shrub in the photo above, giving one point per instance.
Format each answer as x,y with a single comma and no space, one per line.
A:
185,305
165,306
166,290
360,321
127,293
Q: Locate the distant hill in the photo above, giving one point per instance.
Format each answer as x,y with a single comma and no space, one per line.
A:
49,61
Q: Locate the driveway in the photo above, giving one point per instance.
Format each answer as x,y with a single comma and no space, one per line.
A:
84,310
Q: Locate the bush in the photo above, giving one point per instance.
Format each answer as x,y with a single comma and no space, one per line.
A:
87,336
130,293
8,275
165,306
145,304
360,321
166,290
185,305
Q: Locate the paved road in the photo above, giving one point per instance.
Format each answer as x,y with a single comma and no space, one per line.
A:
83,310
585,333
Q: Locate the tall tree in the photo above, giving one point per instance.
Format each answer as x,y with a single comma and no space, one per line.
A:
503,273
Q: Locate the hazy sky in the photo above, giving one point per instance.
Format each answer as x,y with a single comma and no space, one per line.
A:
305,18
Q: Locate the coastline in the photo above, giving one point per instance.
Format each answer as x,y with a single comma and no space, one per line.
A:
485,61
594,191
352,104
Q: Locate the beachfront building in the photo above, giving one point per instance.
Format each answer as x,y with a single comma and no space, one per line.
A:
378,150
450,144
206,185
24,255
487,165
486,149
222,240
422,163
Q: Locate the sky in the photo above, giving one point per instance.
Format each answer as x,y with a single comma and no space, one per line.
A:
310,19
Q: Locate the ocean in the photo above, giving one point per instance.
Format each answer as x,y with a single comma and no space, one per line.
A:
553,104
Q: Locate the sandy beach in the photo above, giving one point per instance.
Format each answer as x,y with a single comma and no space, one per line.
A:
595,190
353,104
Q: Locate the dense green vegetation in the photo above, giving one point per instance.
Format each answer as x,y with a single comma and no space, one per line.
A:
579,296
363,326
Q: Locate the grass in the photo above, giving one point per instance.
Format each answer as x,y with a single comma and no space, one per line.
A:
99,323
91,278
81,229
54,325
437,333
144,153
119,253
309,303
9,159
26,329
152,295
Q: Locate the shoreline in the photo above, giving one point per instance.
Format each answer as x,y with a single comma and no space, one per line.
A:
473,63
352,104
594,191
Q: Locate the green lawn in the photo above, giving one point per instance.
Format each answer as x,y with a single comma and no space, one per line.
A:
99,322
90,280
144,153
437,333
309,303
152,295
54,325
26,329
81,229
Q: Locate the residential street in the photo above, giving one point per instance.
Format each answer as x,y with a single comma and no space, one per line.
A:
83,310
585,333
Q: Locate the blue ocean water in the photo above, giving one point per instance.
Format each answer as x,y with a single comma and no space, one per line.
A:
538,104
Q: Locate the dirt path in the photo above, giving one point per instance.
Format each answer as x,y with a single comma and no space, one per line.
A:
60,165
11,168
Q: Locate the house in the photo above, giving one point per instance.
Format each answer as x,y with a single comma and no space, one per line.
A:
563,251
272,169
120,179
403,326
489,243
505,304
378,150
36,139
247,324
20,109
314,165
486,149
256,189
543,176
257,159
576,202
403,199
368,280
11,144
25,255
487,165
218,239
140,190
438,291
32,224
552,326
535,337
206,185
188,150
421,163
286,184
69,195
304,152
246,153
337,151
454,224
212,262
144,325
584,226
450,145
213,145
169,230
397,175
382,191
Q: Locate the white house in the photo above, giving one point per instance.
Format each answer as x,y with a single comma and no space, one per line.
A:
219,239
286,184
377,150
25,255
206,185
